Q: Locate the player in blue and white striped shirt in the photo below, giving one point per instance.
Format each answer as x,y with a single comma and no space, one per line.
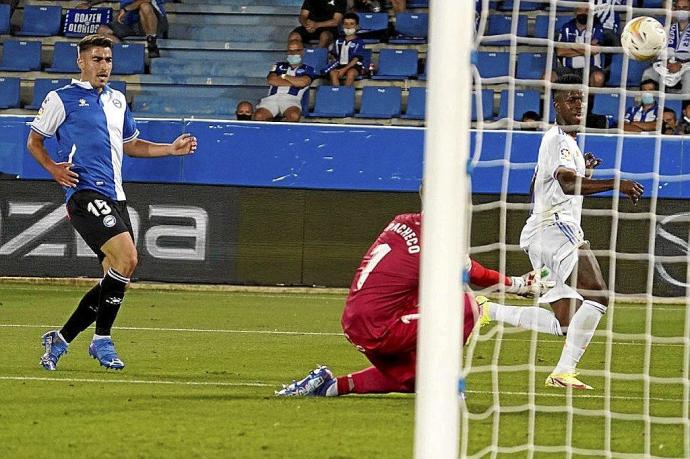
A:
347,51
642,117
572,58
94,127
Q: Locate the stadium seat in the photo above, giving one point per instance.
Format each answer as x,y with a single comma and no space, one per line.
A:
4,19
64,58
21,56
416,104
396,64
9,92
501,25
531,66
380,102
487,105
607,105
653,3
411,28
41,21
525,100
493,64
507,5
334,102
373,22
128,58
635,70
541,25
119,85
42,86
316,58
417,3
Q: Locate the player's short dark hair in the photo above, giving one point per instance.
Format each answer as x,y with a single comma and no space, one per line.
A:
354,16
568,78
650,81
93,41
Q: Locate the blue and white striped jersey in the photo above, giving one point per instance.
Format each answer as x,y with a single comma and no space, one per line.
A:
344,51
91,130
281,68
609,19
571,34
638,113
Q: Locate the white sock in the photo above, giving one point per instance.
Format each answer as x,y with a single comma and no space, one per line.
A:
580,332
62,338
528,317
95,336
332,390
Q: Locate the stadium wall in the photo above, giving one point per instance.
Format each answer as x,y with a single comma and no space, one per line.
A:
272,236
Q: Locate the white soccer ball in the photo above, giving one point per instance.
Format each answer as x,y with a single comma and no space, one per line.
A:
643,38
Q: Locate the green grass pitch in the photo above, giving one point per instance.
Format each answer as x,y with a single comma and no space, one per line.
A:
202,368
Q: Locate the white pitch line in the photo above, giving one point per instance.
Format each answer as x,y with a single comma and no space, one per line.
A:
138,381
261,384
308,333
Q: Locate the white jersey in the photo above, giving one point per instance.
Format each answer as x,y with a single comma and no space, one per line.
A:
549,203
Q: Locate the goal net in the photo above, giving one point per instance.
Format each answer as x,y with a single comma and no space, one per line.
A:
639,358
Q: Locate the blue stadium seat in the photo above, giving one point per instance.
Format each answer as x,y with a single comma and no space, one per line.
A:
4,19
366,59
396,64
531,66
418,3
154,104
334,102
493,64
411,28
21,56
128,58
487,105
381,102
64,58
507,5
9,92
316,58
416,104
41,21
373,22
42,86
541,25
119,85
500,25
635,70
653,3
525,100
607,105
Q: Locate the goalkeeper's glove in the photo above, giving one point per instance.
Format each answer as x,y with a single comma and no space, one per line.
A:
531,284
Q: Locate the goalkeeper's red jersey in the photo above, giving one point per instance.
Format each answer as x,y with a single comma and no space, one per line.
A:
386,284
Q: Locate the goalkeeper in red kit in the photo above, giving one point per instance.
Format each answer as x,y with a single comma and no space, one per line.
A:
381,312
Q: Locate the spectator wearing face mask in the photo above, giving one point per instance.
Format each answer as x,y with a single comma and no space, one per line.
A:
683,126
347,54
642,117
287,81
571,50
244,111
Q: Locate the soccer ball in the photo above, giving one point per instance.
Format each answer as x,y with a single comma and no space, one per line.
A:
643,38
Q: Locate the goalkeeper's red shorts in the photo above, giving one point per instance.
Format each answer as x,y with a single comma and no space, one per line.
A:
394,353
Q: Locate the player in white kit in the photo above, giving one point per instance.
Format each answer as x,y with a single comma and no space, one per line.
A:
553,238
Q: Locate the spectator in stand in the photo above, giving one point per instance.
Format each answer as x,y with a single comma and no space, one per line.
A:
288,81
319,20
532,118
136,17
683,126
669,121
610,22
676,73
572,56
642,117
347,51
244,111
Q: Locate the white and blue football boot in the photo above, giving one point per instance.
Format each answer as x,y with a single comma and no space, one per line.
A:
104,351
55,347
315,384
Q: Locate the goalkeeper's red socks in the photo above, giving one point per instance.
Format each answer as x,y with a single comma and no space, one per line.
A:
370,381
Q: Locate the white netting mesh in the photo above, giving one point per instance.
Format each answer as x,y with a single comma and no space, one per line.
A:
639,359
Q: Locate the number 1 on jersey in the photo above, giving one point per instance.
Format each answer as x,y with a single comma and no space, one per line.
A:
377,255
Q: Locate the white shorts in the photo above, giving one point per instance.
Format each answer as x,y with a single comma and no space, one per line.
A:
277,104
556,247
